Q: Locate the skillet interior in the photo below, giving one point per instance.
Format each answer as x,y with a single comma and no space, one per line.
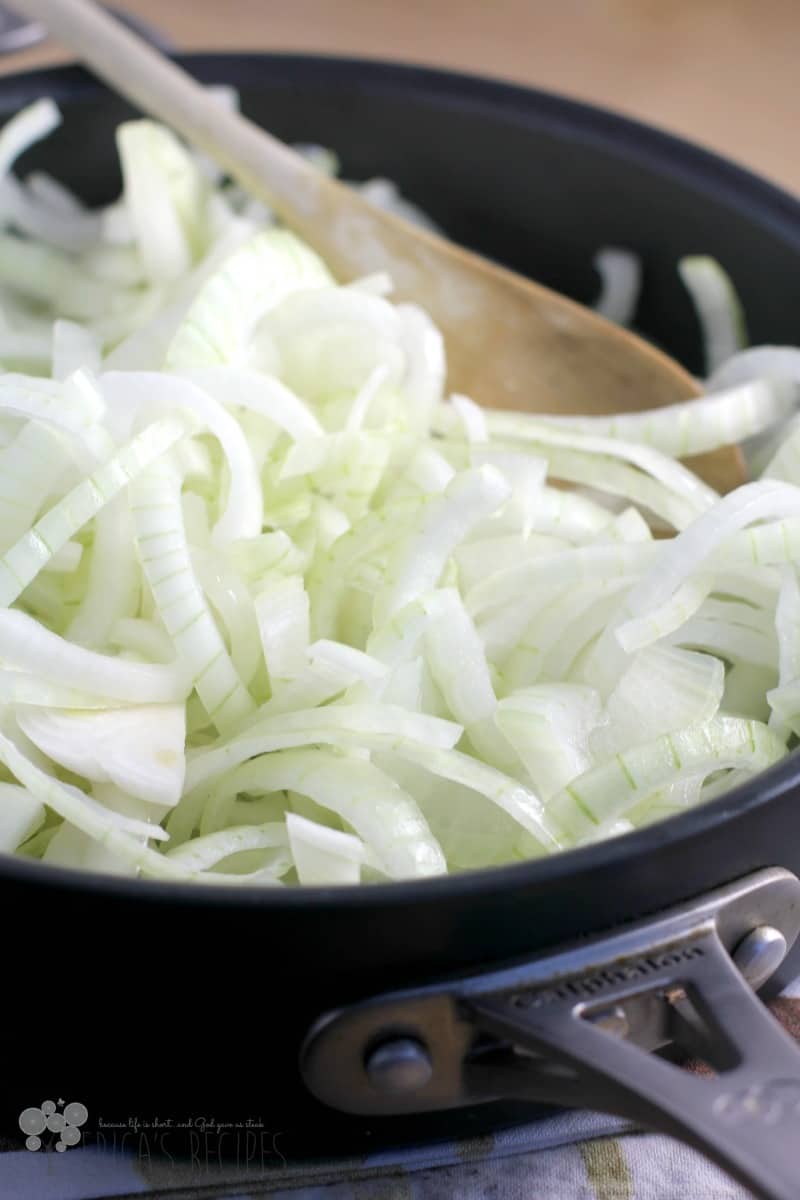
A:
541,183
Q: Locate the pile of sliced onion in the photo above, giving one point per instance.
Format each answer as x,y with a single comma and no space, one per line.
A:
276,609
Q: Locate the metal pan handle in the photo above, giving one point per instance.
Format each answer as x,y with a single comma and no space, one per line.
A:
746,1117
579,1028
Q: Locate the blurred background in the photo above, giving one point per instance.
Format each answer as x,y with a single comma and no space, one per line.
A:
721,72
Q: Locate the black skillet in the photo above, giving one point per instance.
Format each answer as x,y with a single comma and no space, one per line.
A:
143,998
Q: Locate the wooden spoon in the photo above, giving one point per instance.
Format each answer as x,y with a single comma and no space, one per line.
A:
511,343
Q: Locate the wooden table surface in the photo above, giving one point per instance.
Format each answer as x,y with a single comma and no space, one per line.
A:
723,72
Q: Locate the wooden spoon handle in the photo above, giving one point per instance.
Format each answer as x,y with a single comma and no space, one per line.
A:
263,165
352,235
511,342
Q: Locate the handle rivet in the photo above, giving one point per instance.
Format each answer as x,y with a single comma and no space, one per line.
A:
759,954
400,1065
611,1020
